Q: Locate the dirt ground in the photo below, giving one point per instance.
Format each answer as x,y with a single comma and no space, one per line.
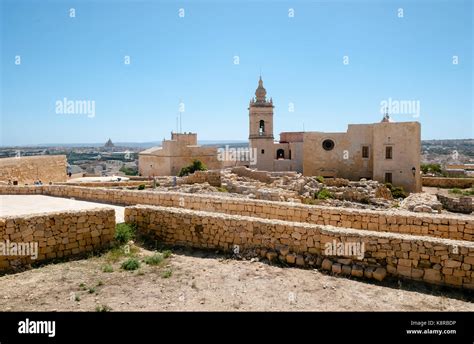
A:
203,281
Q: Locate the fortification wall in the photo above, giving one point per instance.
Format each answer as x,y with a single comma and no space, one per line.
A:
462,183
28,169
433,260
450,226
54,235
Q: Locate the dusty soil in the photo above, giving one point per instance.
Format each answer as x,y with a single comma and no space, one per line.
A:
206,281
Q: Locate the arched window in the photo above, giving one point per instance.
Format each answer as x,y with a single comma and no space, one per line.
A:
280,154
261,127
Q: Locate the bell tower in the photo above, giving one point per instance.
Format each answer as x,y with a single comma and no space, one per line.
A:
261,128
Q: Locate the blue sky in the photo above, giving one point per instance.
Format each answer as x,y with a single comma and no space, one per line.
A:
191,60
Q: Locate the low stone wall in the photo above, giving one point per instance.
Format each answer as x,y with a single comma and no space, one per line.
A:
459,227
432,260
462,183
212,177
456,204
54,235
108,184
261,176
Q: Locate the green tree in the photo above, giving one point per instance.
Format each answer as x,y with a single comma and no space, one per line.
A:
197,165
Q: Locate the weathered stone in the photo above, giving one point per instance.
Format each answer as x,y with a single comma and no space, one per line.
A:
379,274
326,265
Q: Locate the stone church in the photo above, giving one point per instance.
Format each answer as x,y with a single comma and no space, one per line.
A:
386,151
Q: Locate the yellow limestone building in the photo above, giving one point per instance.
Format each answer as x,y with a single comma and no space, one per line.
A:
175,154
385,151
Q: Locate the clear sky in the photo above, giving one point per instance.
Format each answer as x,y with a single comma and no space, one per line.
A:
192,59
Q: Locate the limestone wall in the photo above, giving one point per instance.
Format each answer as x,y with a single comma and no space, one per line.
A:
243,171
432,260
211,177
28,169
460,227
133,183
456,204
56,235
440,182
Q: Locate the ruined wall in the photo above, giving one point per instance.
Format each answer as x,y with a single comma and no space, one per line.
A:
28,169
451,226
431,260
57,235
211,177
131,183
261,176
461,183
456,204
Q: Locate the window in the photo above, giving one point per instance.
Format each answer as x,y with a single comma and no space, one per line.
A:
289,154
388,177
261,127
388,152
263,151
280,154
328,144
365,151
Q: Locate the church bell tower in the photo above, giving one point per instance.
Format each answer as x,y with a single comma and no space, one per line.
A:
261,128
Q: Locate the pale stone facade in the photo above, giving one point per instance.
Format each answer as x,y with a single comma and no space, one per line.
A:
385,151
175,154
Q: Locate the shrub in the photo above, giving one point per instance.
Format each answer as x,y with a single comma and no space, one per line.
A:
457,191
102,308
167,273
222,189
324,194
197,165
397,191
141,187
131,264
107,268
124,232
166,253
155,259
129,171
430,168
320,179
468,192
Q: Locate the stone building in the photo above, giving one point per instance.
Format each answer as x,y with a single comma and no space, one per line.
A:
385,151
175,154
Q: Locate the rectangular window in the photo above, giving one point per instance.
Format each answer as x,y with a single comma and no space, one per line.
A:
263,151
388,152
388,177
365,151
